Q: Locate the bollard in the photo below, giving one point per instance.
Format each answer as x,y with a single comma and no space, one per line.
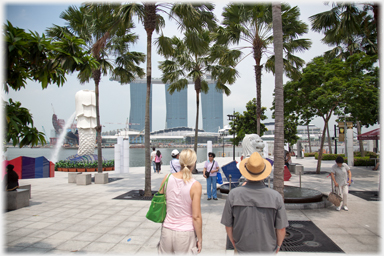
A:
230,182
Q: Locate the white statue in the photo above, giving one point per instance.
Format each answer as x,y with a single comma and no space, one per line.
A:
252,143
86,121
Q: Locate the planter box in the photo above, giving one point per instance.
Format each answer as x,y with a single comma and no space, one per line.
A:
72,169
65,169
109,168
91,169
59,169
80,169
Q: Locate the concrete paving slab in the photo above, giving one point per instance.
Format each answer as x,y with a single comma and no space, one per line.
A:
86,206
124,249
72,245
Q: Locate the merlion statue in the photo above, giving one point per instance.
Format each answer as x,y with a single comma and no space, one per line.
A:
252,143
86,121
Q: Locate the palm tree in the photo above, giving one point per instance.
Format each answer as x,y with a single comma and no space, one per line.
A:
186,15
351,30
96,25
194,57
278,179
251,24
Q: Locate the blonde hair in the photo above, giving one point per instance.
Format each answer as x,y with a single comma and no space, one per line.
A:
187,160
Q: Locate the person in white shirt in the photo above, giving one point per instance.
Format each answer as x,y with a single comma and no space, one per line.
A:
342,178
175,163
153,154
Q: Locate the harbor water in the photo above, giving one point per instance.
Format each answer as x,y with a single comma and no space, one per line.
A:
136,155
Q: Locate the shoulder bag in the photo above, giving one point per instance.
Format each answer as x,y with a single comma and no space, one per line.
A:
207,173
334,198
158,209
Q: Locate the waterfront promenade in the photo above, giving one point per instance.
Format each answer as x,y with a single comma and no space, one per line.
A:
65,218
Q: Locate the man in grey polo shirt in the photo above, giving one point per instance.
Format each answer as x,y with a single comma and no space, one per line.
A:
254,215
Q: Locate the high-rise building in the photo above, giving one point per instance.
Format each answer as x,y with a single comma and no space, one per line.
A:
212,108
177,108
138,91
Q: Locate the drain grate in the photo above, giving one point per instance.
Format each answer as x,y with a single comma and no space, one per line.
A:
135,195
304,236
366,195
109,179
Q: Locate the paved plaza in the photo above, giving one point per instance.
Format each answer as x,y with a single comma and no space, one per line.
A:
67,218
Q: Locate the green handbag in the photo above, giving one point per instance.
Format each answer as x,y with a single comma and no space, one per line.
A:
158,208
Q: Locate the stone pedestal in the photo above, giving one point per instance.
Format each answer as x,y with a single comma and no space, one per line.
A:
84,179
72,177
17,199
101,178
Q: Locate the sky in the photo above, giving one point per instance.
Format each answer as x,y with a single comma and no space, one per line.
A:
115,98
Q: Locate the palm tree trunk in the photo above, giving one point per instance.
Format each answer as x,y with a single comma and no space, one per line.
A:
148,189
96,77
197,120
149,25
278,179
258,97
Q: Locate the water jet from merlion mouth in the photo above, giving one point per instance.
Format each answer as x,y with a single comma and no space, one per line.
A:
59,143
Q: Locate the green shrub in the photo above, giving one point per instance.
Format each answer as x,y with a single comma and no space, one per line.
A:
310,154
363,161
367,153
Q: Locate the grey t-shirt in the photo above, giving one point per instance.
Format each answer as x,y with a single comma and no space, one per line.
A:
341,173
254,211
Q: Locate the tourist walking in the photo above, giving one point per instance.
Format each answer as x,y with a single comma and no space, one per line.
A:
181,232
158,161
342,178
287,158
212,167
254,215
11,178
153,154
175,163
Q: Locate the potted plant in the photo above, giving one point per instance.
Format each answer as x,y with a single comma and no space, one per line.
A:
91,167
71,166
110,165
80,166
65,166
59,166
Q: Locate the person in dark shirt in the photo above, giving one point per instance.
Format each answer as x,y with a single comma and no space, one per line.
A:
11,179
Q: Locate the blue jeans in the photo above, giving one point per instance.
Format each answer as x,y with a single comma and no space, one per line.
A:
211,187
154,166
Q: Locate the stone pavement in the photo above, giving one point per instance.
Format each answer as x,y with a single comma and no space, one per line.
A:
67,218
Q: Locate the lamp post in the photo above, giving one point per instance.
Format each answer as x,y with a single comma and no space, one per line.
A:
233,118
222,135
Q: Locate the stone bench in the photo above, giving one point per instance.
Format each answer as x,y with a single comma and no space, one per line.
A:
28,187
17,199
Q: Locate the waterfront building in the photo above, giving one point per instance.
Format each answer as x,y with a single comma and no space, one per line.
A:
176,108
212,109
138,92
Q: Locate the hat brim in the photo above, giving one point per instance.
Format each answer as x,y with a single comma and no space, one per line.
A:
255,177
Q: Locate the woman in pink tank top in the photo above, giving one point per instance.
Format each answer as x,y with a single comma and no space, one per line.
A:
181,232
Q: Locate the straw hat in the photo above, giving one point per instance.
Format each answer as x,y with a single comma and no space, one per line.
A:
255,167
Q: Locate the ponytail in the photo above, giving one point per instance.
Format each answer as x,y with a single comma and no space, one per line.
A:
187,161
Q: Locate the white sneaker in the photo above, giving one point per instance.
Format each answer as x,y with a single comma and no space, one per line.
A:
338,208
345,208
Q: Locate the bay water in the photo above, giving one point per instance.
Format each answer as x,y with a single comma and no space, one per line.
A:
136,155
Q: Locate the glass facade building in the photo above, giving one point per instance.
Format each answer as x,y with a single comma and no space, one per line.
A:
138,93
177,108
212,108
